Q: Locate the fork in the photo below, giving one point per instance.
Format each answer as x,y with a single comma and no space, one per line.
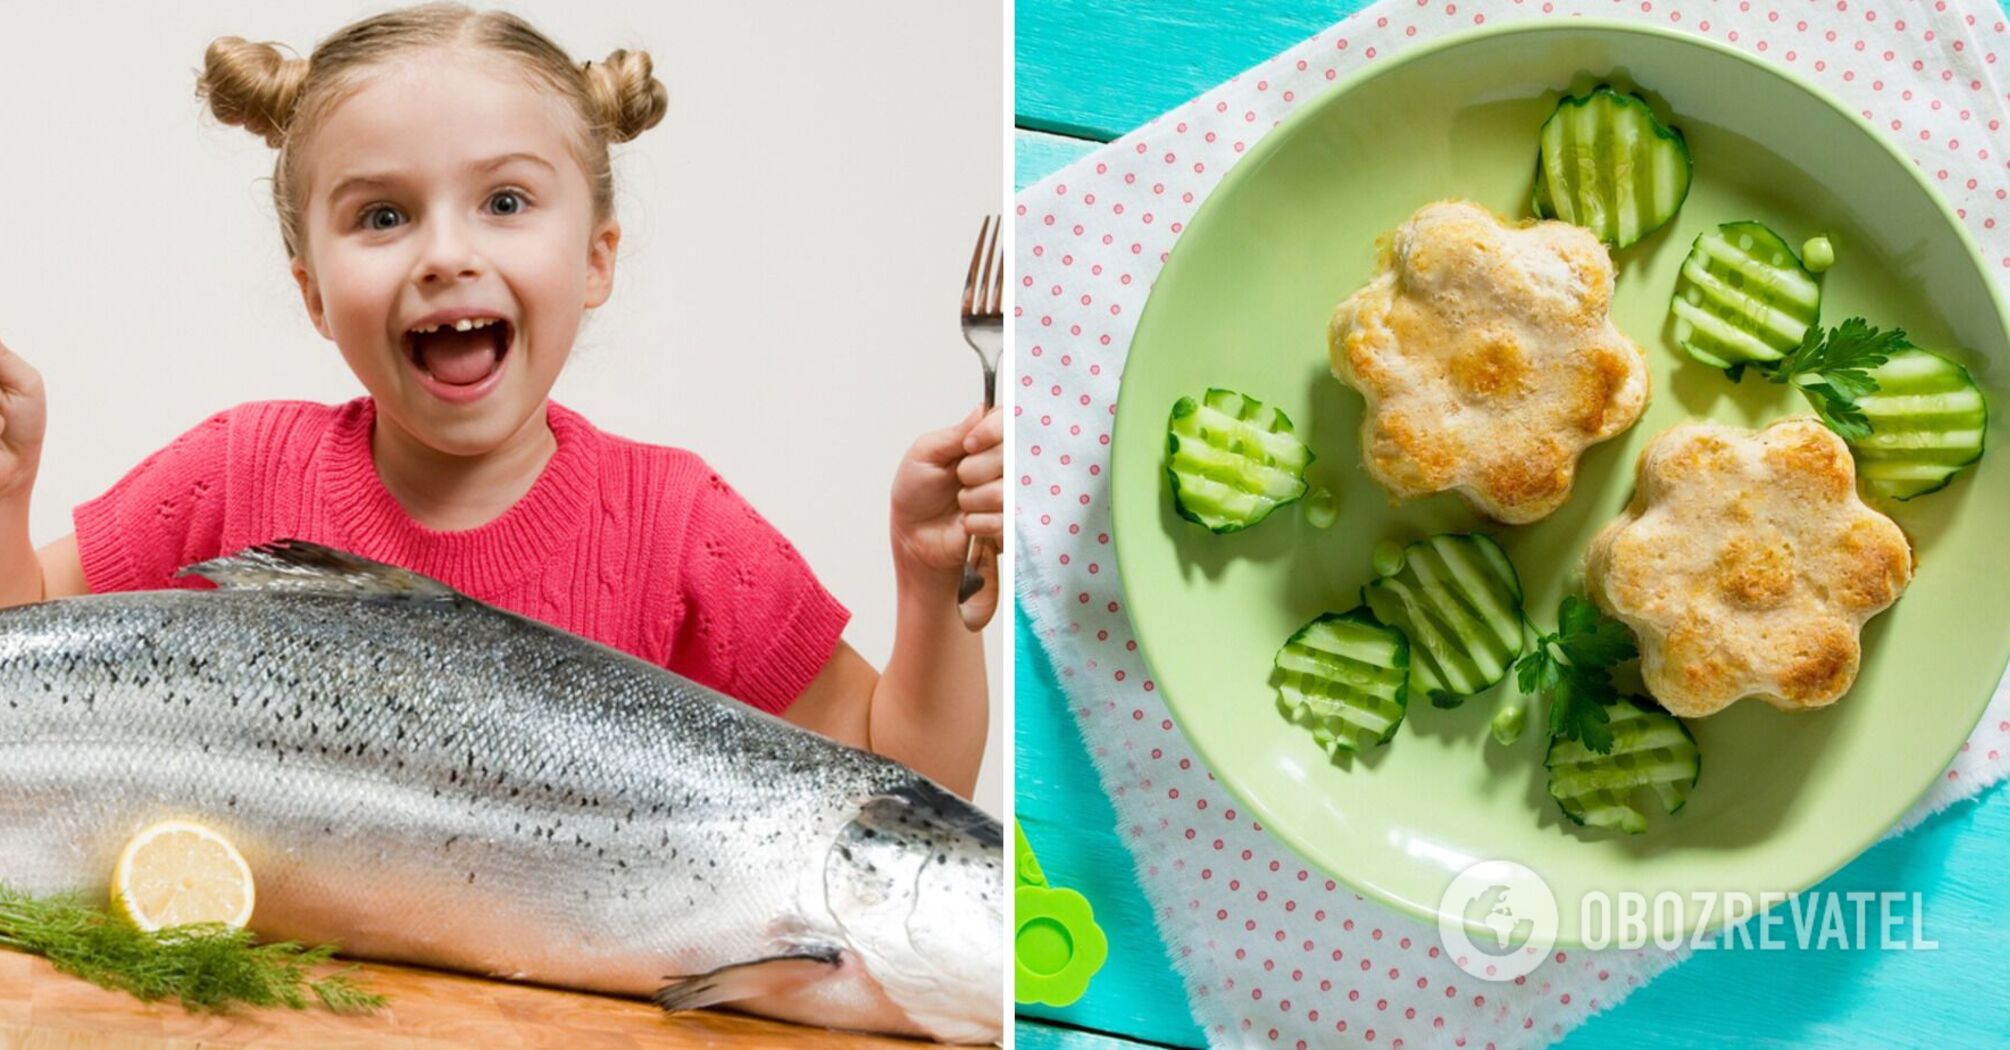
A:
984,330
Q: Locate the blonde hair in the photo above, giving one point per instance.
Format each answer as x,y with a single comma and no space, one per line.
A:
283,100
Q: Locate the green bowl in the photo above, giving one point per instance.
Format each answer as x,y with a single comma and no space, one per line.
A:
1243,302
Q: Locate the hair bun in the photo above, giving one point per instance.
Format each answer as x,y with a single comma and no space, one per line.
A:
253,86
627,97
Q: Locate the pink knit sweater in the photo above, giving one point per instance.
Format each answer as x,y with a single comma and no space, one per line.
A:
639,547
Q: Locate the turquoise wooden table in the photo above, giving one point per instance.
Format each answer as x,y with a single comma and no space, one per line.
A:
1090,72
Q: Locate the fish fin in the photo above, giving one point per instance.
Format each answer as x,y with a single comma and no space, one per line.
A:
296,565
776,973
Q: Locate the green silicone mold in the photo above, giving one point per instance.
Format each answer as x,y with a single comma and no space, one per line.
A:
1056,945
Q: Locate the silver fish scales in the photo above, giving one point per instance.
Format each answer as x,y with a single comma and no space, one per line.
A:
424,778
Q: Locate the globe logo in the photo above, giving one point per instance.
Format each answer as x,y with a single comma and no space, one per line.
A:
1493,910
1498,920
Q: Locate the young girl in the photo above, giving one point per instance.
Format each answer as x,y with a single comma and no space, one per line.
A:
445,197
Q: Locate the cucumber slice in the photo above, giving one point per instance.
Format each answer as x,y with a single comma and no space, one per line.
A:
1345,677
1607,165
1232,460
1927,421
1650,749
1743,297
1458,601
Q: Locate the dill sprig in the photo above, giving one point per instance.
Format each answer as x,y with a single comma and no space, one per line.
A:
209,967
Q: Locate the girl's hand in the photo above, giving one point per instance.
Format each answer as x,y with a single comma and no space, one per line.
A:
22,418
950,487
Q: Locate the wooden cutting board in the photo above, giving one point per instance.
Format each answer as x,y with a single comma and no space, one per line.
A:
41,1009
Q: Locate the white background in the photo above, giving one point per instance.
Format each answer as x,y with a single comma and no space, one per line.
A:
795,235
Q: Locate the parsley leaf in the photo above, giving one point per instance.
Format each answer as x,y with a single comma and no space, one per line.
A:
1834,371
1574,667
1837,412
1577,708
1536,673
1588,638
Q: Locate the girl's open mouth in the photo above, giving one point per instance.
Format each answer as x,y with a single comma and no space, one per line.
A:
460,362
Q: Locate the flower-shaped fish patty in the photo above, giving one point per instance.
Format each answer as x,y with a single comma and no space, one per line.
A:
1487,360
1746,565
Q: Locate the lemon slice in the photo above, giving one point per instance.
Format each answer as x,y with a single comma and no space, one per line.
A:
178,872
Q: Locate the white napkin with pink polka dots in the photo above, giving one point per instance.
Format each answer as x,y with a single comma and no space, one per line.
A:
1271,953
